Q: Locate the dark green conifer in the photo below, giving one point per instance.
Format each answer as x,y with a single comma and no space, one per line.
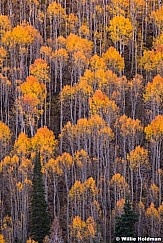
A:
125,224
40,222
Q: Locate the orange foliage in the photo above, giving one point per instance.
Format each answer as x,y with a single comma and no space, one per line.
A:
154,131
138,158
44,141
113,59
22,144
40,70
5,134
22,35
154,91
120,29
128,126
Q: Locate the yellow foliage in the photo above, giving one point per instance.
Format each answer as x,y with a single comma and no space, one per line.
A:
75,43
76,190
5,24
2,239
83,89
84,30
100,104
158,43
119,206
108,83
44,139
67,92
90,184
60,164
152,211
10,162
40,70
46,51
154,91
96,122
97,62
81,158
53,165
120,29
5,134
160,210
82,230
33,87
3,54
106,134
72,21
151,59
61,41
113,59
128,126
80,59
19,186
65,161
154,131
141,206
55,10
26,165
22,35
90,228
138,157
61,55
119,180
22,144
158,16
119,7
77,228
155,190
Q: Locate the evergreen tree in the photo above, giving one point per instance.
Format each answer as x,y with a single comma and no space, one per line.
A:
40,222
124,225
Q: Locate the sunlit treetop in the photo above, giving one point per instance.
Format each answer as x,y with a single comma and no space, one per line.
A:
113,59
152,211
154,131
84,30
44,139
46,51
61,55
75,43
120,29
97,62
32,86
151,59
138,158
154,91
72,22
22,144
55,10
129,126
23,35
40,70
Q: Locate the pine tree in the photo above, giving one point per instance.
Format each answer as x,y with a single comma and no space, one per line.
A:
125,223
40,222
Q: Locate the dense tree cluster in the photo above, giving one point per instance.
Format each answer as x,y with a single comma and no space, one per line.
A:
81,120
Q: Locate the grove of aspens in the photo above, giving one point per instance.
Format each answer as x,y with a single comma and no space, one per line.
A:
81,121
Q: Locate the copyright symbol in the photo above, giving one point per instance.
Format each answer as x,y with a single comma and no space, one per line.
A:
117,238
